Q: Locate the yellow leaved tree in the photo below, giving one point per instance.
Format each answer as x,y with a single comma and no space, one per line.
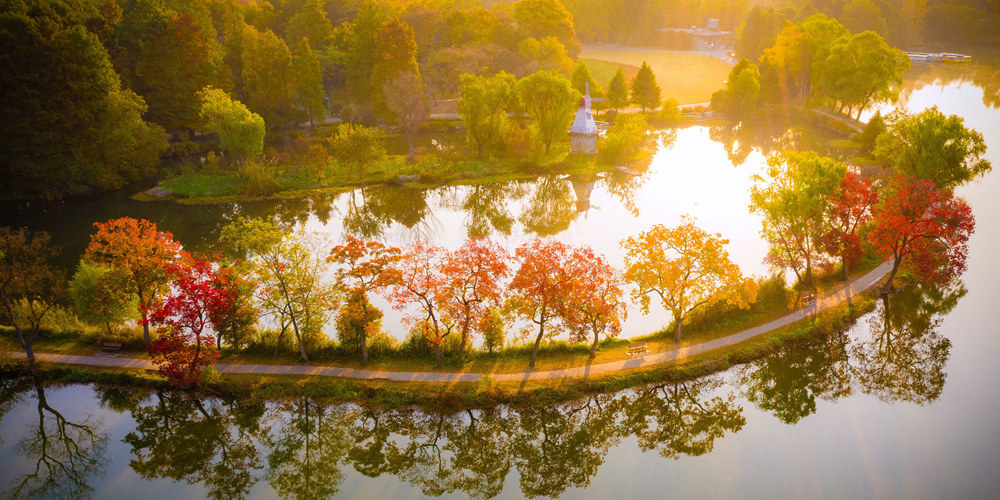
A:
687,268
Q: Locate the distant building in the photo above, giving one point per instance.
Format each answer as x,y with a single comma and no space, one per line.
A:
583,132
709,38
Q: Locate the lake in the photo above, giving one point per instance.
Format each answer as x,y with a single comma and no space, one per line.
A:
902,405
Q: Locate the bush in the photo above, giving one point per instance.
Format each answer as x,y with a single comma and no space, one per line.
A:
256,179
625,139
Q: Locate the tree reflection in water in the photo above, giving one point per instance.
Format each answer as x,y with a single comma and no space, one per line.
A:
787,382
676,420
302,448
899,356
550,208
62,456
183,438
903,357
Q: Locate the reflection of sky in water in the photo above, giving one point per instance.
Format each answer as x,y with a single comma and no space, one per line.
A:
693,176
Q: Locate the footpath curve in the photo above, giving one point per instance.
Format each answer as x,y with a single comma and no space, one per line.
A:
841,295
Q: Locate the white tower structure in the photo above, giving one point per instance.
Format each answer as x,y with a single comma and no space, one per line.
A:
583,132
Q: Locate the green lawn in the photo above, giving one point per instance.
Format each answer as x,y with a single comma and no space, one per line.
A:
603,71
689,78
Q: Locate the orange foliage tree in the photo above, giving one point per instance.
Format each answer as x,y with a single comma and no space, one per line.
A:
593,300
419,279
923,226
687,268
363,267
472,277
539,284
138,255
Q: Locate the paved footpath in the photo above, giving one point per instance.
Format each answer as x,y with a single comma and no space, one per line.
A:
821,303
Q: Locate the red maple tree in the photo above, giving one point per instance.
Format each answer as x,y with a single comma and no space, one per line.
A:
592,301
539,284
419,280
472,284
186,319
850,208
924,230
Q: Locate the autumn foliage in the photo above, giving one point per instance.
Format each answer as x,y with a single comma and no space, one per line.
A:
923,229
186,319
138,255
687,268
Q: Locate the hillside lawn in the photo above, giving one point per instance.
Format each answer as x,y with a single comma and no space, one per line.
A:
689,78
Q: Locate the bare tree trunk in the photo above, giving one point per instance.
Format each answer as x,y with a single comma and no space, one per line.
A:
145,323
892,275
677,329
25,344
538,340
593,347
437,354
364,349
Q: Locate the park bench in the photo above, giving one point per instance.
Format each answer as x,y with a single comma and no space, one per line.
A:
111,347
636,349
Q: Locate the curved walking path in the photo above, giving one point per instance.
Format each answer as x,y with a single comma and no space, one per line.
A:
843,294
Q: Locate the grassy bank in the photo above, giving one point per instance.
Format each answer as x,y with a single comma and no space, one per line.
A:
294,180
485,393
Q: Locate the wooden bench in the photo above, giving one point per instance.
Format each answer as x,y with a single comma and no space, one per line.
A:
111,347
636,349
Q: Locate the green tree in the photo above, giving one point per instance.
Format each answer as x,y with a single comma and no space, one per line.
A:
645,91
550,100
74,133
310,23
267,77
493,329
395,54
288,269
793,199
483,106
357,47
758,32
581,76
240,131
309,91
860,71
742,89
97,298
28,282
546,54
179,58
930,145
541,18
617,91
356,146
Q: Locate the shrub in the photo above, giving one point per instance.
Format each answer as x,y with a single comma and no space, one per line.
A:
625,139
256,179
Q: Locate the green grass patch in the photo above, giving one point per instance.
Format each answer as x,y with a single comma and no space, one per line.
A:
689,78
603,71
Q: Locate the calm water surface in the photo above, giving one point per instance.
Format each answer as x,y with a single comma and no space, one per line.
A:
904,405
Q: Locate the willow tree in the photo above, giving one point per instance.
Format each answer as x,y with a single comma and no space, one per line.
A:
549,99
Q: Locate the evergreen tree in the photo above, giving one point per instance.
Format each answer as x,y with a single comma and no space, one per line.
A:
309,90
617,91
645,91
581,76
